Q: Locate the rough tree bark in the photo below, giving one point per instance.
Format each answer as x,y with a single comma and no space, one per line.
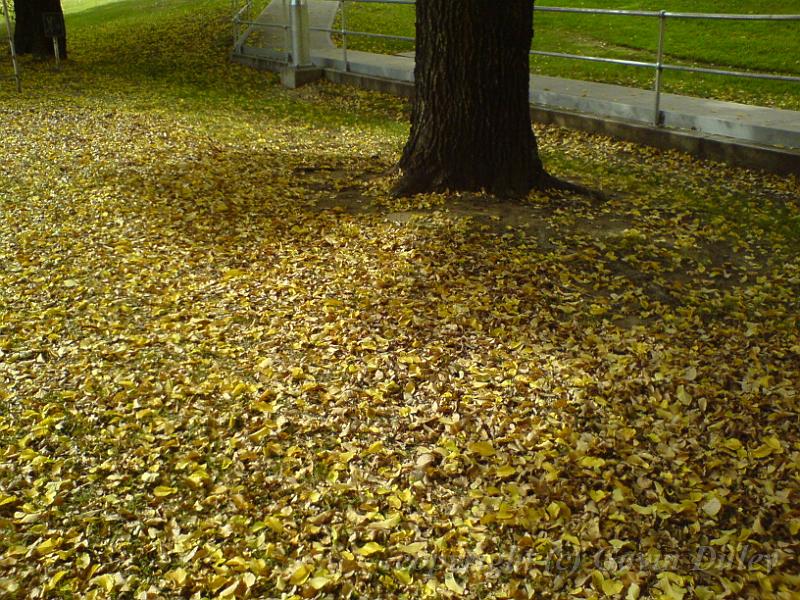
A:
29,35
470,122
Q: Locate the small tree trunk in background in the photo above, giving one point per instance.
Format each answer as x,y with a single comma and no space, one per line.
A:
29,35
470,123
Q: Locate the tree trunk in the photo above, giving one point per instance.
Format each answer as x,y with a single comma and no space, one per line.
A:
470,122
29,37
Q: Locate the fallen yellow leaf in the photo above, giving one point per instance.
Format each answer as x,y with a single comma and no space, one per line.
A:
484,449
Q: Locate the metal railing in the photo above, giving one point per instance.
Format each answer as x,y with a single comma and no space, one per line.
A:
246,24
658,65
241,12
11,47
344,32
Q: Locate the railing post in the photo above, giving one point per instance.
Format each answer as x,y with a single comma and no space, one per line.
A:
287,32
240,37
236,9
662,21
300,69
11,46
301,37
342,9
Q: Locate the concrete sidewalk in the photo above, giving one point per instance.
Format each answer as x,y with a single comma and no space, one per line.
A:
271,33
750,124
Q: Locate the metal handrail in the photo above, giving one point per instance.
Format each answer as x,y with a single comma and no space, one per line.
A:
616,61
237,22
267,25
11,47
651,13
385,36
659,66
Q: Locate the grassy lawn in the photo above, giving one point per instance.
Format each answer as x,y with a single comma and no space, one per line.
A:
768,47
232,365
73,6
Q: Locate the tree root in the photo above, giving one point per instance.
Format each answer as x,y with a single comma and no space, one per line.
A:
425,182
407,185
548,184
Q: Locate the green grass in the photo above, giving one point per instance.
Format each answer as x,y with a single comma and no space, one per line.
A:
73,6
757,46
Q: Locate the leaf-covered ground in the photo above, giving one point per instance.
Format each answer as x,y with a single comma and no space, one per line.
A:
232,366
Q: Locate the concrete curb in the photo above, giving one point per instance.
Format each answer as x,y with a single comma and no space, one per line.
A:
781,161
373,83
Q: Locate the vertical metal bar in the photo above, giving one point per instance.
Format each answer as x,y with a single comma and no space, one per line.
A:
287,33
235,23
294,23
662,21
239,39
11,45
301,36
57,54
342,8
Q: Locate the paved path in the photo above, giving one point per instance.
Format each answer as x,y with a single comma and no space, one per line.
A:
752,124
321,14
